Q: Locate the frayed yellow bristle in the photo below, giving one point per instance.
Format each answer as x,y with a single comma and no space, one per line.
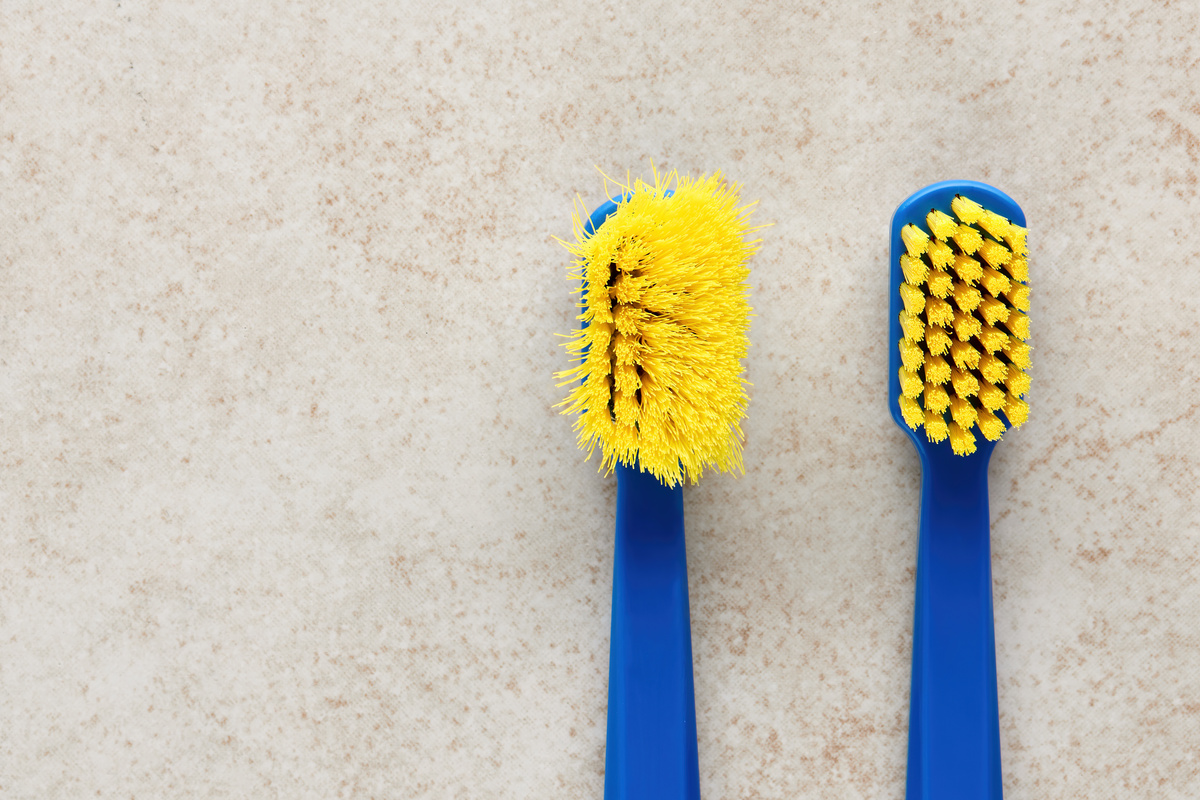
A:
965,325
658,373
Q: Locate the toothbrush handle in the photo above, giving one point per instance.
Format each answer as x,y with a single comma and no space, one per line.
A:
954,727
651,748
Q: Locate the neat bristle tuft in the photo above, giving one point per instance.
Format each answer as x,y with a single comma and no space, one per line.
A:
941,225
935,427
912,326
964,327
940,283
915,240
658,375
914,269
968,239
941,255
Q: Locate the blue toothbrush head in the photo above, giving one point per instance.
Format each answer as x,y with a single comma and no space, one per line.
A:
958,335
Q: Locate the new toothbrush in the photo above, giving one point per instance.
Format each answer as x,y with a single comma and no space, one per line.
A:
958,301
658,388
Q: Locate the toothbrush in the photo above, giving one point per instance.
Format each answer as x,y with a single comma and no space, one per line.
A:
959,298
658,388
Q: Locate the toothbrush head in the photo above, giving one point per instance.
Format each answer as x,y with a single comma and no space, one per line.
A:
664,316
959,299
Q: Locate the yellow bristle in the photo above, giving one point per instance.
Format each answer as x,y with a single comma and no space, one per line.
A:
964,355
911,355
914,299
967,297
936,370
990,425
1017,382
911,384
965,384
992,369
1018,324
1019,269
910,409
966,210
935,427
1018,353
658,377
915,270
1016,239
912,326
940,254
940,283
992,339
967,268
938,312
990,397
993,311
942,225
963,412
915,239
962,442
937,341
968,239
1016,409
969,309
1018,295
966,326
936,398
994,283
994,253
996,225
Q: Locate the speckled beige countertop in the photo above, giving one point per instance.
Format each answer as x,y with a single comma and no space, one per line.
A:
286,511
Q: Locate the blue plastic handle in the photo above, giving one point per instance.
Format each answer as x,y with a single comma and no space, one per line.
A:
651,750
954,723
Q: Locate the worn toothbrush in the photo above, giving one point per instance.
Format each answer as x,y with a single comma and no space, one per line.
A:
658,388
959,303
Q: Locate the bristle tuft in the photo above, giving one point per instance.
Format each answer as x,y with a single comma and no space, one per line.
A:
961,440
941,284
935,427
941,225
915,240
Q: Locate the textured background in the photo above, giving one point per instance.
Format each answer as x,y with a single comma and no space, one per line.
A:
285,510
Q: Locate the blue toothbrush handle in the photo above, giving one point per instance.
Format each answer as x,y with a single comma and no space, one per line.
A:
954,728
651,748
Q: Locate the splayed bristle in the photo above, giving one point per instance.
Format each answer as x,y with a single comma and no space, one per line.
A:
658,375
965,327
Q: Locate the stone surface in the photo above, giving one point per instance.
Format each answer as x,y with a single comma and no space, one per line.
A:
285,507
